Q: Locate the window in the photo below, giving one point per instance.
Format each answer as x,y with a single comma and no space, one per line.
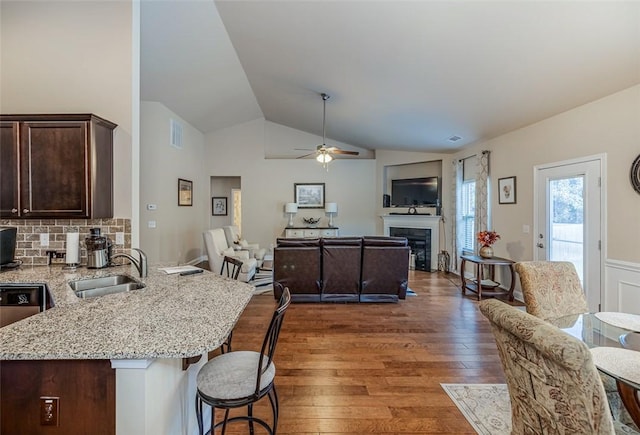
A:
468,212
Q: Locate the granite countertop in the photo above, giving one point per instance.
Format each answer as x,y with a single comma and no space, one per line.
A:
172,317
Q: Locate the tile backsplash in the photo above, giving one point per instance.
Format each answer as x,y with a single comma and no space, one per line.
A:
29,250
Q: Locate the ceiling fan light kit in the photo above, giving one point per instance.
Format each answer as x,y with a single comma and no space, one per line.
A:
324,158
324,154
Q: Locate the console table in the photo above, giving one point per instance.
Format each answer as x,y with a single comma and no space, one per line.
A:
476,286
307,232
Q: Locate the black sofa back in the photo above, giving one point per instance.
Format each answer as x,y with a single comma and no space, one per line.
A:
347,269
296,264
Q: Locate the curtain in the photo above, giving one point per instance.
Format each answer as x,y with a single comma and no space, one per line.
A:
483,214
456,223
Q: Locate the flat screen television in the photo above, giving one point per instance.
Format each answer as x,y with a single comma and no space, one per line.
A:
415,192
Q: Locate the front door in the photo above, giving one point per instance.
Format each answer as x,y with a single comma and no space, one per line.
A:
568,221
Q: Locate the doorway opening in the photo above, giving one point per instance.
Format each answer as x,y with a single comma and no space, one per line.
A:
230,189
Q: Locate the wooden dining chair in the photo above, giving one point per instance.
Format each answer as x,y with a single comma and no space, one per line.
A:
231,267
554,387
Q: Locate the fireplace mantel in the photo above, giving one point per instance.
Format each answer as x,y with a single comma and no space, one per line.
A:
417,221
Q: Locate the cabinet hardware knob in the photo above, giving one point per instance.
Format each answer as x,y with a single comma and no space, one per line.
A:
25,210
14,210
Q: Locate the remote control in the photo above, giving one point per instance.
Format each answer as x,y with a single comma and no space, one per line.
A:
190,272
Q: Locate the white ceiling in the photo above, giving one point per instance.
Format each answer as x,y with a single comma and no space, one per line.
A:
403,75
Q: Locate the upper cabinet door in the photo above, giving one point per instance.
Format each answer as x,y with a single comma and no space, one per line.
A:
54,169
9,202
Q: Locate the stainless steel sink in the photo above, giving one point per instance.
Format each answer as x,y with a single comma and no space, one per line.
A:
106,285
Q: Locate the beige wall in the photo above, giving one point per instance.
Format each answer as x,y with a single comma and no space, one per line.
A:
177,237
267,184
610,125
72,57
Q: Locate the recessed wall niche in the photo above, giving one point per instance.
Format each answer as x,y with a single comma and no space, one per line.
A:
412,170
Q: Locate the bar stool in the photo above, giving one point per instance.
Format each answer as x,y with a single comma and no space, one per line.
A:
241,378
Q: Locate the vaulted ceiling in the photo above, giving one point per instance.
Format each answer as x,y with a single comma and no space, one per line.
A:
405,75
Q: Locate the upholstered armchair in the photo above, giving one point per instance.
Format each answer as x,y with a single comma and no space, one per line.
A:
552,289
217,248
553,384
235,240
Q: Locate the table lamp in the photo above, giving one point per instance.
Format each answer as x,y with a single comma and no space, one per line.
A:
331,208
291,208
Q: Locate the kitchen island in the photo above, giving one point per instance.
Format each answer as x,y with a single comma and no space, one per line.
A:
146,334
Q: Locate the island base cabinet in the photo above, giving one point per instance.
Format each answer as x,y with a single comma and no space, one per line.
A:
85,388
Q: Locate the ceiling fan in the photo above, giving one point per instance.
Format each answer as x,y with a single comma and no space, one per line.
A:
325,154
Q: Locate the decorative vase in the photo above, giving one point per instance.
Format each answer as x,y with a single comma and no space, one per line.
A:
486,251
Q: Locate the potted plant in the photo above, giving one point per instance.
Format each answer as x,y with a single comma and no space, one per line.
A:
486,239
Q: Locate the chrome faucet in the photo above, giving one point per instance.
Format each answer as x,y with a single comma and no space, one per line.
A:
140,264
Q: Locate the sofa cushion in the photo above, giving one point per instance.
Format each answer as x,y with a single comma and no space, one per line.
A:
384,241
283,242
342,241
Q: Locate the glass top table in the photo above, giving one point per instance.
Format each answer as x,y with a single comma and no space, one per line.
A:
595,333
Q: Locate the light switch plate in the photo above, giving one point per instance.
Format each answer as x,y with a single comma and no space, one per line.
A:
151,224
119,238
44,239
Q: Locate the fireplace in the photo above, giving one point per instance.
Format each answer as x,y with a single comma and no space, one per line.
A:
420,242
413,223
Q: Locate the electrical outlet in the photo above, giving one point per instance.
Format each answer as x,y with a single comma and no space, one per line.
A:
119,238
44,239
49,411
55,257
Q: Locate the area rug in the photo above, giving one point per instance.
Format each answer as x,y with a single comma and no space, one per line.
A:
488,410
263,281
485,406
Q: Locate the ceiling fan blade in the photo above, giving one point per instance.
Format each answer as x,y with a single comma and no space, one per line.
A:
303,149
306,155
349,153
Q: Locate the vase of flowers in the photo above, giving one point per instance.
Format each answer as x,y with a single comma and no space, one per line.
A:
486,239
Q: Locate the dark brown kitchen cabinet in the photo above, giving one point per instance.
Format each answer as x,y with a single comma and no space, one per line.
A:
84,390
56,166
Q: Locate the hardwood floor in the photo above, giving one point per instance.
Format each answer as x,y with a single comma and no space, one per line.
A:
375,368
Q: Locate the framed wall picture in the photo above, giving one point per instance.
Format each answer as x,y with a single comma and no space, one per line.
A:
185,192
219,206
309,195
507,190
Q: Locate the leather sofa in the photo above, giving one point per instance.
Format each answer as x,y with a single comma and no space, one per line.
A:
342,269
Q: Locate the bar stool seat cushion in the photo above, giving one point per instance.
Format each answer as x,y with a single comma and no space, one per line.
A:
233,375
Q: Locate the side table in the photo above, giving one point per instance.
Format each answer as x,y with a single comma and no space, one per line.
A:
475,285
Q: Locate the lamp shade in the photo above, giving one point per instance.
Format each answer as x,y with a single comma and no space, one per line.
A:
331,207
324,158
291,207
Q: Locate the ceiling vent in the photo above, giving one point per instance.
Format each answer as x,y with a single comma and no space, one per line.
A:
176,134
454,138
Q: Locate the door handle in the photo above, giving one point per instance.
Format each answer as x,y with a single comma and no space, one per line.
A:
25,210
14,210
539,245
